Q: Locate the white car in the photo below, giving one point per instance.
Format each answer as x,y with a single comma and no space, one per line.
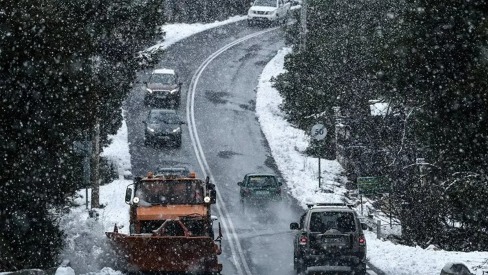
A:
268,12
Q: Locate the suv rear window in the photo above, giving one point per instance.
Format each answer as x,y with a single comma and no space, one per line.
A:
324,221
262,181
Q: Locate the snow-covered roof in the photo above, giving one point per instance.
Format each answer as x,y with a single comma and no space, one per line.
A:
164,71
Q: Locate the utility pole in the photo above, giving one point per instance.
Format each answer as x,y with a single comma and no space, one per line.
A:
303,25
86,164
421,163
95,193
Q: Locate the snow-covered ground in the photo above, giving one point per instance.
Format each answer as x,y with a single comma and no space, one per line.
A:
86,239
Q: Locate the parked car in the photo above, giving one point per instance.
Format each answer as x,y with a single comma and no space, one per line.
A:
296,2
256,185
330,239
163,126
455,269
268,12
163,87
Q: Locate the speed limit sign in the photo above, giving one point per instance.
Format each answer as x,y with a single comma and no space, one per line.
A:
318,132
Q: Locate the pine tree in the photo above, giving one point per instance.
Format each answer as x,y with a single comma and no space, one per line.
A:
335,67
63,63
436,67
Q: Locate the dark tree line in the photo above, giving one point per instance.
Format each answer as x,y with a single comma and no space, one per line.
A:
428,60
62,65
190,11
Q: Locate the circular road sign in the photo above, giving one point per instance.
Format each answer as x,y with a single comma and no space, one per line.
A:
318,132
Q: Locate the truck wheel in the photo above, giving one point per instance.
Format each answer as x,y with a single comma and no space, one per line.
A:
360,269
178,143
147,101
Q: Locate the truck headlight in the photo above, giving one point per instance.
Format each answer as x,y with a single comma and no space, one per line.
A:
206,199
135,200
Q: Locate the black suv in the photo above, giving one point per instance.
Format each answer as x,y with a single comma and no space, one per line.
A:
257,186
330,239
163,125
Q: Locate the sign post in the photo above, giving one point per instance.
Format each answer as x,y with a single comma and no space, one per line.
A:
371,186
318,132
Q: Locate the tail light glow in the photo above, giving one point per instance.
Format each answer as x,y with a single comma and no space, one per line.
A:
362,240
303,240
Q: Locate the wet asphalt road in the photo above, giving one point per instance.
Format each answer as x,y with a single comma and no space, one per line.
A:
231,141
230,137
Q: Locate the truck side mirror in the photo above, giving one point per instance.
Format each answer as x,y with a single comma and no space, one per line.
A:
128,195
213,196
294,226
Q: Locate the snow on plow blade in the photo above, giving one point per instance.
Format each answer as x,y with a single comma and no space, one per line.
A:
149,253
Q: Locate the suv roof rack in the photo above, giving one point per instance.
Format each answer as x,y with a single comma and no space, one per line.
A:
311,205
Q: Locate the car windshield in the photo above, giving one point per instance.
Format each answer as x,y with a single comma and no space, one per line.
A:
160,117
167,79
266,3
170,192
262,181
324,221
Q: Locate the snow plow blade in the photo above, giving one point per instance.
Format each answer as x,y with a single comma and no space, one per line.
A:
150,253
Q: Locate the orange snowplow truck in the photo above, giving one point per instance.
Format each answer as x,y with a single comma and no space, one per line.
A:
171,227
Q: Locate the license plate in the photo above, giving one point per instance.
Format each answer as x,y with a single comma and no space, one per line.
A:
332,240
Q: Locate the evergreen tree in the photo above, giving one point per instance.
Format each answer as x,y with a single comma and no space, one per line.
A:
334,69
63,63
436,67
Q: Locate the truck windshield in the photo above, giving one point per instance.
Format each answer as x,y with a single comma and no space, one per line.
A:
170,192
266,3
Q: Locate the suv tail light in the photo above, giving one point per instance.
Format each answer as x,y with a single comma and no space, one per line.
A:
303,240
362,240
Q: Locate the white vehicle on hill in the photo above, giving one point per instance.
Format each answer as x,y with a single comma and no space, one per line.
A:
268,12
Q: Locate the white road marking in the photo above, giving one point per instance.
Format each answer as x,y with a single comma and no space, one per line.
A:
235,246
371,272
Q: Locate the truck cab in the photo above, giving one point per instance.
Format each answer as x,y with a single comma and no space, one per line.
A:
155,199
